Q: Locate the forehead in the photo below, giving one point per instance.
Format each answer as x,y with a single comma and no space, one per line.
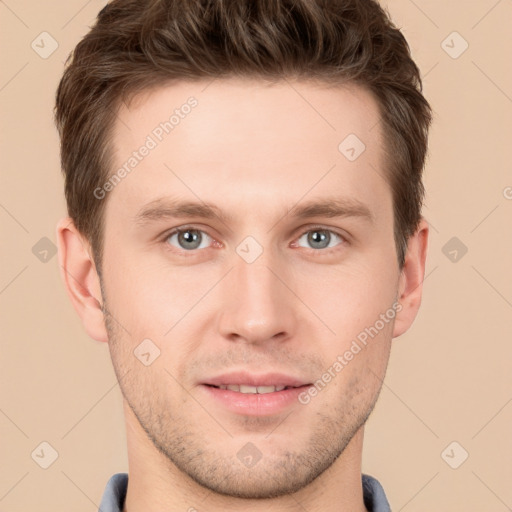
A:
240,138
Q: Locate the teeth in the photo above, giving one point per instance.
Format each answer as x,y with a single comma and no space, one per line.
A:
248,389
242,388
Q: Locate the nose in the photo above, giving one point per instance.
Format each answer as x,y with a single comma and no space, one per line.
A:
257,305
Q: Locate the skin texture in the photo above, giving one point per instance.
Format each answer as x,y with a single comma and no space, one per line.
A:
256,151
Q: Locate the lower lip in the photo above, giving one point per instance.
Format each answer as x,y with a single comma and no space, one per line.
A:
255,404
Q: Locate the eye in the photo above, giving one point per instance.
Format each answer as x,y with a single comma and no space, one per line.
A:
320,238
188,239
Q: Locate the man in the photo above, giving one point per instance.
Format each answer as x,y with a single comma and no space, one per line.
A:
244,190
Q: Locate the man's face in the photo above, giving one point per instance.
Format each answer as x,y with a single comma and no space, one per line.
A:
262,290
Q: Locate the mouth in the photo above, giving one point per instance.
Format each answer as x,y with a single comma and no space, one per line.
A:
254,400
254,395
260,390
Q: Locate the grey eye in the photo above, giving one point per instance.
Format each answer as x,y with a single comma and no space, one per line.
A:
189,239
320,239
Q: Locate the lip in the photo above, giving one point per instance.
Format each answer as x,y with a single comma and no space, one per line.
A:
254,404
250,379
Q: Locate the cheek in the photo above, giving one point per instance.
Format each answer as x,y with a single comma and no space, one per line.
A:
354,303
349,299
357,370
149,296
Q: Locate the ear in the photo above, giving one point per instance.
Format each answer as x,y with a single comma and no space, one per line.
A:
80,277
410,285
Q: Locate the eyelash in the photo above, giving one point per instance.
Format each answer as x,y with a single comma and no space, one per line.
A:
192,253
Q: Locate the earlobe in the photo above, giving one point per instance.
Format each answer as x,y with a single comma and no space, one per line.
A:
411,279
80,278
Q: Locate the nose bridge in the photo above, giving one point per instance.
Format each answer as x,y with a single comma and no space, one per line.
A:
257,306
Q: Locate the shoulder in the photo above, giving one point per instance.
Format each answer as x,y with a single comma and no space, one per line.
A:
374,496
115,493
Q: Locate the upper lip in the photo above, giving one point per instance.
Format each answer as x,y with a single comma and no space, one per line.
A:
251,379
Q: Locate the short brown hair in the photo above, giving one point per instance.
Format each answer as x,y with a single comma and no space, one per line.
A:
138,44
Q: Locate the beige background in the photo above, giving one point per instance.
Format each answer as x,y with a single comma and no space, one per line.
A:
449,377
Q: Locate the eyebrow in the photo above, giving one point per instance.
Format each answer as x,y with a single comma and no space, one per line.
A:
166,208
